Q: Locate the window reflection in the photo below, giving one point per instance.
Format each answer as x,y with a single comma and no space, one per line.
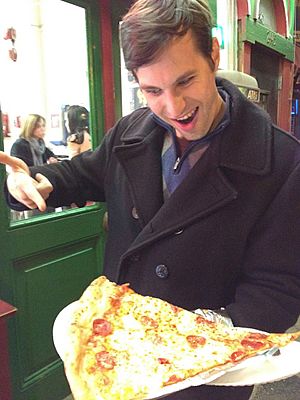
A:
44,69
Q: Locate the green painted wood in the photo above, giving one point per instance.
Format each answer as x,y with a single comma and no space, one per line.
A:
44,284
46,262
290,5
118,9
213,7
256,32
59,230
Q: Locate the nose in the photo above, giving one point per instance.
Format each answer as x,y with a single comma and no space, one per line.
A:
174,104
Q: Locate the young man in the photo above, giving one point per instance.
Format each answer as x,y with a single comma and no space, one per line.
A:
202,190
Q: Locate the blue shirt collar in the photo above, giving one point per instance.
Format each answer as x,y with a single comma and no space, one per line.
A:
225,121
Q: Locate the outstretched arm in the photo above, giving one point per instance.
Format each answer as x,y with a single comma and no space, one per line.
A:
32,192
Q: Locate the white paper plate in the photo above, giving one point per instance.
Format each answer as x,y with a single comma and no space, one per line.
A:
61,323
264,369
256,370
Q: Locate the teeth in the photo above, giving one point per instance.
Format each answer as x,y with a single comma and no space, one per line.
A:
189,115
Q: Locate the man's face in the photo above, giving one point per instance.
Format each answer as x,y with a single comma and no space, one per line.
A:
180,87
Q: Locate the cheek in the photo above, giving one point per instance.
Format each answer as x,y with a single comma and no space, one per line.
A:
155,104
39,133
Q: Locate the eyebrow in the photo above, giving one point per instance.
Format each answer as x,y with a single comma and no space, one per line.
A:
180,78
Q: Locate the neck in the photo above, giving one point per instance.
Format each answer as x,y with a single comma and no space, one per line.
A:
219,114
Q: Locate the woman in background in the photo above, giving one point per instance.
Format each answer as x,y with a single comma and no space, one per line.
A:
30,146
77,124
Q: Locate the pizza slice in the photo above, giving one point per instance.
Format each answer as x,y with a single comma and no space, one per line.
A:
124,346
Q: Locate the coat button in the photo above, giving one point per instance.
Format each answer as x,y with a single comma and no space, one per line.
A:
162,271
134,213
179,232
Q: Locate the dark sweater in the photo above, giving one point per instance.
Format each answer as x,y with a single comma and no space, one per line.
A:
21,149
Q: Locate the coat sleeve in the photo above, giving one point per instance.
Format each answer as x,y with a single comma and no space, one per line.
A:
268,293
74,181
49,153
82,178
78,180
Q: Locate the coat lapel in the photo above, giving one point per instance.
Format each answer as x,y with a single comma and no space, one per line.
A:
203,191
141,162
244,146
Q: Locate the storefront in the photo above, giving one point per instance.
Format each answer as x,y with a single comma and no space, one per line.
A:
266,52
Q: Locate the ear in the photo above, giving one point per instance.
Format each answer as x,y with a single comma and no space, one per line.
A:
215,53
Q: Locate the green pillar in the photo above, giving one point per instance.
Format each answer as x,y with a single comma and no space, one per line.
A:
291,12
213,7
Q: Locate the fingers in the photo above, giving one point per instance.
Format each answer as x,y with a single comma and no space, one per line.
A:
30,192
43,186
38,192
15,163
32,199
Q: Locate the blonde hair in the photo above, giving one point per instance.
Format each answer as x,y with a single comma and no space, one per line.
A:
30,125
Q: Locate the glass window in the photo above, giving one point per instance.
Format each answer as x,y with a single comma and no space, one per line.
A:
132,96
44,70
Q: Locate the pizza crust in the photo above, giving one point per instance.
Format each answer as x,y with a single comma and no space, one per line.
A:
91,301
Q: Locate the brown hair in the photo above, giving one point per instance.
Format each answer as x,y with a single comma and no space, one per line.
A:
150,25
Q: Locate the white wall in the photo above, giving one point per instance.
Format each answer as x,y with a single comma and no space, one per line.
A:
51,68
226,17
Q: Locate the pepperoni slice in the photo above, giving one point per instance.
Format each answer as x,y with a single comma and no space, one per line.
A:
201,320
115,302
102,327
148,321
252,344
254,340
257,336
105,360
173,379
175,309
163,361
195,341
237,355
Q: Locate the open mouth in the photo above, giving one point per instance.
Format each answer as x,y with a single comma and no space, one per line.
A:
188,117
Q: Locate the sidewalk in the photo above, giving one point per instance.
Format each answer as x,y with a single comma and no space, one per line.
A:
287,389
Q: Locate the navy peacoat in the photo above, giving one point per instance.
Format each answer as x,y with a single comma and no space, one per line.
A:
229,236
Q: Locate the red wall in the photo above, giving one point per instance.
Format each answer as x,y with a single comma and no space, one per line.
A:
107,62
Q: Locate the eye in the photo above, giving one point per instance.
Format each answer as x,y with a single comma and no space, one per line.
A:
185,81
152,91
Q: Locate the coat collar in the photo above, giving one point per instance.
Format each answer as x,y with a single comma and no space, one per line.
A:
244,146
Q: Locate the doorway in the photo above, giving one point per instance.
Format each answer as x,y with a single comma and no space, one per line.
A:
49,58
265,68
